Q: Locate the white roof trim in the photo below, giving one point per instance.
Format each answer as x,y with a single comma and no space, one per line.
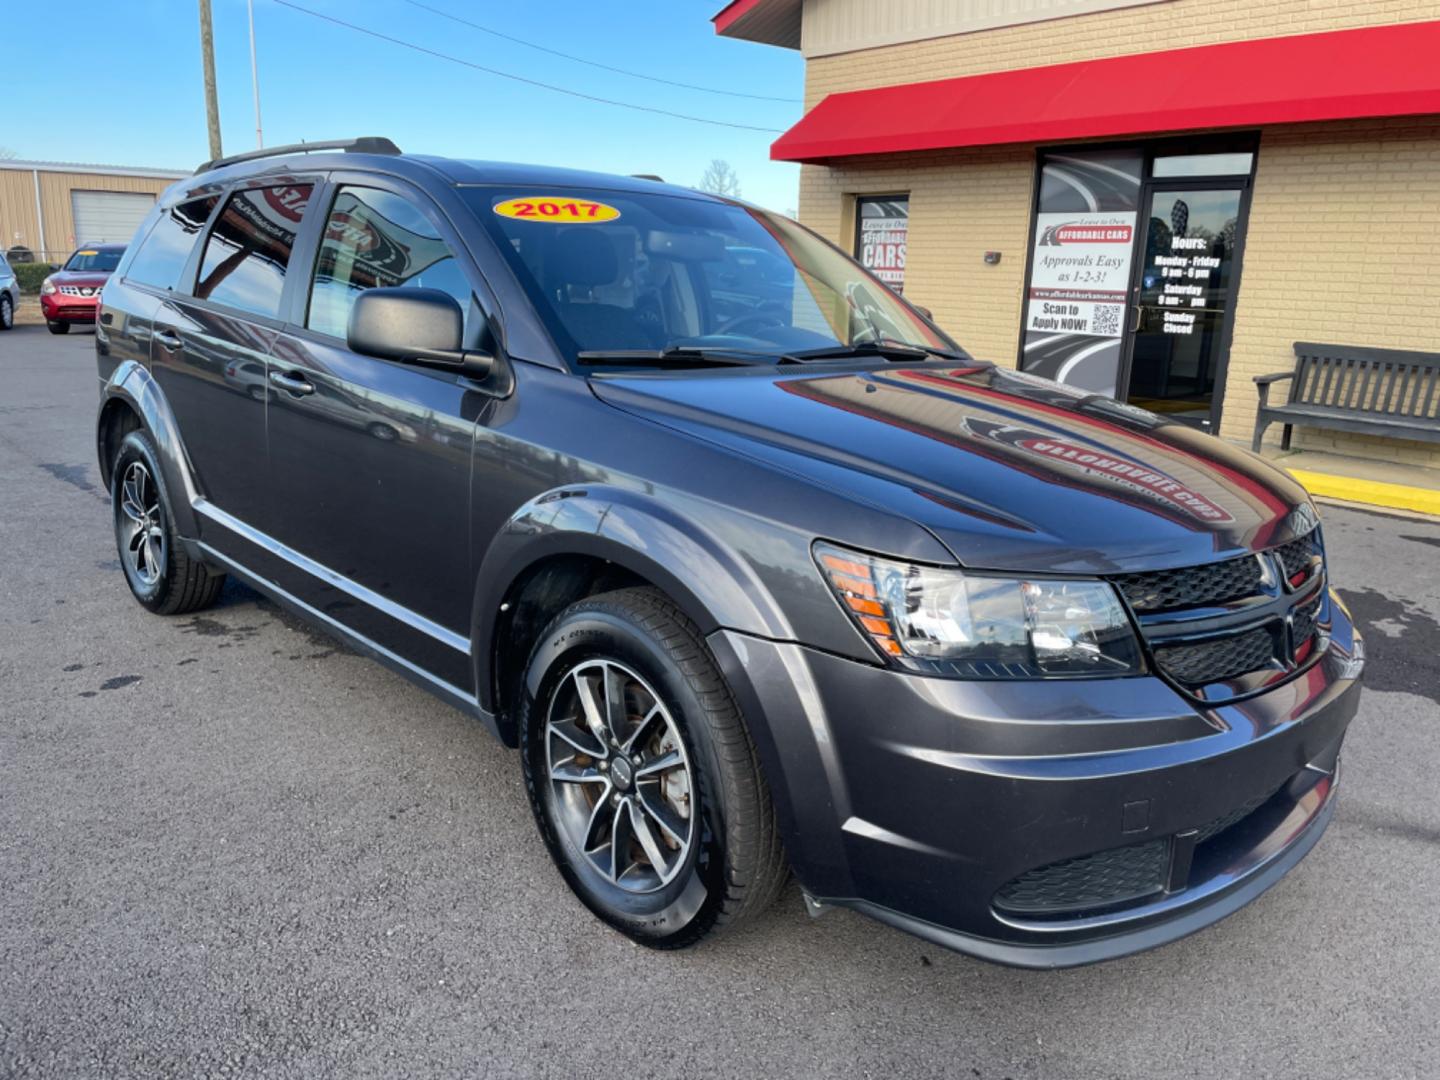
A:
94,170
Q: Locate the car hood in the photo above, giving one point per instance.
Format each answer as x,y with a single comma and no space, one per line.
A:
82,278
1008,470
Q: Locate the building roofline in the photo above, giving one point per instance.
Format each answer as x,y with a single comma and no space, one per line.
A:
770,22
16,164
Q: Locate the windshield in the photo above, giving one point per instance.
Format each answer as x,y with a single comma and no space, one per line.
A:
98,260
613,271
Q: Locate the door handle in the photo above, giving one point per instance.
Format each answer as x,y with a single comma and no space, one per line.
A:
168,339
295,384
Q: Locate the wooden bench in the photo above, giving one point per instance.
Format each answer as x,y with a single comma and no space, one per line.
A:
1351,388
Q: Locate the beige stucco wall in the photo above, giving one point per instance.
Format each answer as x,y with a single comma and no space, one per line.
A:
834,26
1344,230
1172,25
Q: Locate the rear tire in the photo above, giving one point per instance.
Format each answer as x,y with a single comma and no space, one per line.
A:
58,327
162,577
700,850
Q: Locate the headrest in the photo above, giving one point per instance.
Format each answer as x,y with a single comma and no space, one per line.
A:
583,256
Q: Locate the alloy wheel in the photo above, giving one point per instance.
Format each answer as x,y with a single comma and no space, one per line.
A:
621,778
142,527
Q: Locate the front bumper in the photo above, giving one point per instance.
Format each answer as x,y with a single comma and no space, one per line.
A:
60,307
924,801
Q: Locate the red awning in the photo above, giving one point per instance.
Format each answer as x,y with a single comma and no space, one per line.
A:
1344,74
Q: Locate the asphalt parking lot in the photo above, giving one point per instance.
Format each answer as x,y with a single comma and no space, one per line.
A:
229,847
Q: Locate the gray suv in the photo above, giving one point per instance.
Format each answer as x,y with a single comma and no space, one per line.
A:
760,574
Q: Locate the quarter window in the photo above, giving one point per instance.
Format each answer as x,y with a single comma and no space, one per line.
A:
376,239
249,247
164,252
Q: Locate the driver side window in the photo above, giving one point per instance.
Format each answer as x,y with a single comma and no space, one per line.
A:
376,239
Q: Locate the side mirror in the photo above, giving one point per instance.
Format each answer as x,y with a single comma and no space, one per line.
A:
925,312
424,327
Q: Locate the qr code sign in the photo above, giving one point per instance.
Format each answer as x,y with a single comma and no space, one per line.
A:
1106,321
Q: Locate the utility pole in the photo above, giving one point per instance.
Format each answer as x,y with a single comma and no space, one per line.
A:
255,77
207,54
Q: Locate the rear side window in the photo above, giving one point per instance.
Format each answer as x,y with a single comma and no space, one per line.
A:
249,247
376,239
163,253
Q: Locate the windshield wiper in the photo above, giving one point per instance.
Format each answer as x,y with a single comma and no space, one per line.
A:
677,355
885,348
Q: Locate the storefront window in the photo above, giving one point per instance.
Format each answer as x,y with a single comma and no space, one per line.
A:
1080,266
1202,165
1133,269
882,226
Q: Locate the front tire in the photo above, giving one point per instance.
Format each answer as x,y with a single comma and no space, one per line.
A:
58,327
161,575
7,312
642,777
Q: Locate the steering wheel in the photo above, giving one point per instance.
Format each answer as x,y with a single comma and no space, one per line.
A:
760,318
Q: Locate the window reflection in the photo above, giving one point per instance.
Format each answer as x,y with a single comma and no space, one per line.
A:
163,254
375,239
249,248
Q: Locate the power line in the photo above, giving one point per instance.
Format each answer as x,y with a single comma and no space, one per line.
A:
520,78
596,63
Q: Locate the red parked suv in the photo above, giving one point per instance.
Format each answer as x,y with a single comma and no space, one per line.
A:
72,293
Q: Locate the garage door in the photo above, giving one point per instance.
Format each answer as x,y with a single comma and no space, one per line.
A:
108,217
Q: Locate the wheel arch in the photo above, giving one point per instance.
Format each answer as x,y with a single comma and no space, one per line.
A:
132,400
575,542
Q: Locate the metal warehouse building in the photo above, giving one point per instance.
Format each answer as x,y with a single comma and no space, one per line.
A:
1152,200
48,208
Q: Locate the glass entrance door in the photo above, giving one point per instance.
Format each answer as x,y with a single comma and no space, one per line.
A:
1179,326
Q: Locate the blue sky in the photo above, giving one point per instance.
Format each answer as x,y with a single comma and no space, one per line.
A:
136,70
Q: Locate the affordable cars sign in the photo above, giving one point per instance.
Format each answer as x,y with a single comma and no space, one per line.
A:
1080,270
883,232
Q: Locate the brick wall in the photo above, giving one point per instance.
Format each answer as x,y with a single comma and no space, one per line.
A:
1343,242
962,204
1344,228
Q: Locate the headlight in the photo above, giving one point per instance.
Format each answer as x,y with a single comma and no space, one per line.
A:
979,626
47,287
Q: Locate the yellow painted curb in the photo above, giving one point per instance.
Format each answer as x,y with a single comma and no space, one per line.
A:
1372,492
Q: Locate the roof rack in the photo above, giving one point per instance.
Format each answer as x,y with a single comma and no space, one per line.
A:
646,176
366,144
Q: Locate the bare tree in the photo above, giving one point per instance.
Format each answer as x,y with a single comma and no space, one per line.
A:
6,154
720,179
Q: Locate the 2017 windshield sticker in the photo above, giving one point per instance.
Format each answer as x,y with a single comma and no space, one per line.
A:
557,210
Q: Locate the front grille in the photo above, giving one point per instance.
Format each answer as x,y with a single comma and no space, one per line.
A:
1205,662
1298,556
1244,638
1089,881
77,290
1234,817
1108,878
1192,586
1304,621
